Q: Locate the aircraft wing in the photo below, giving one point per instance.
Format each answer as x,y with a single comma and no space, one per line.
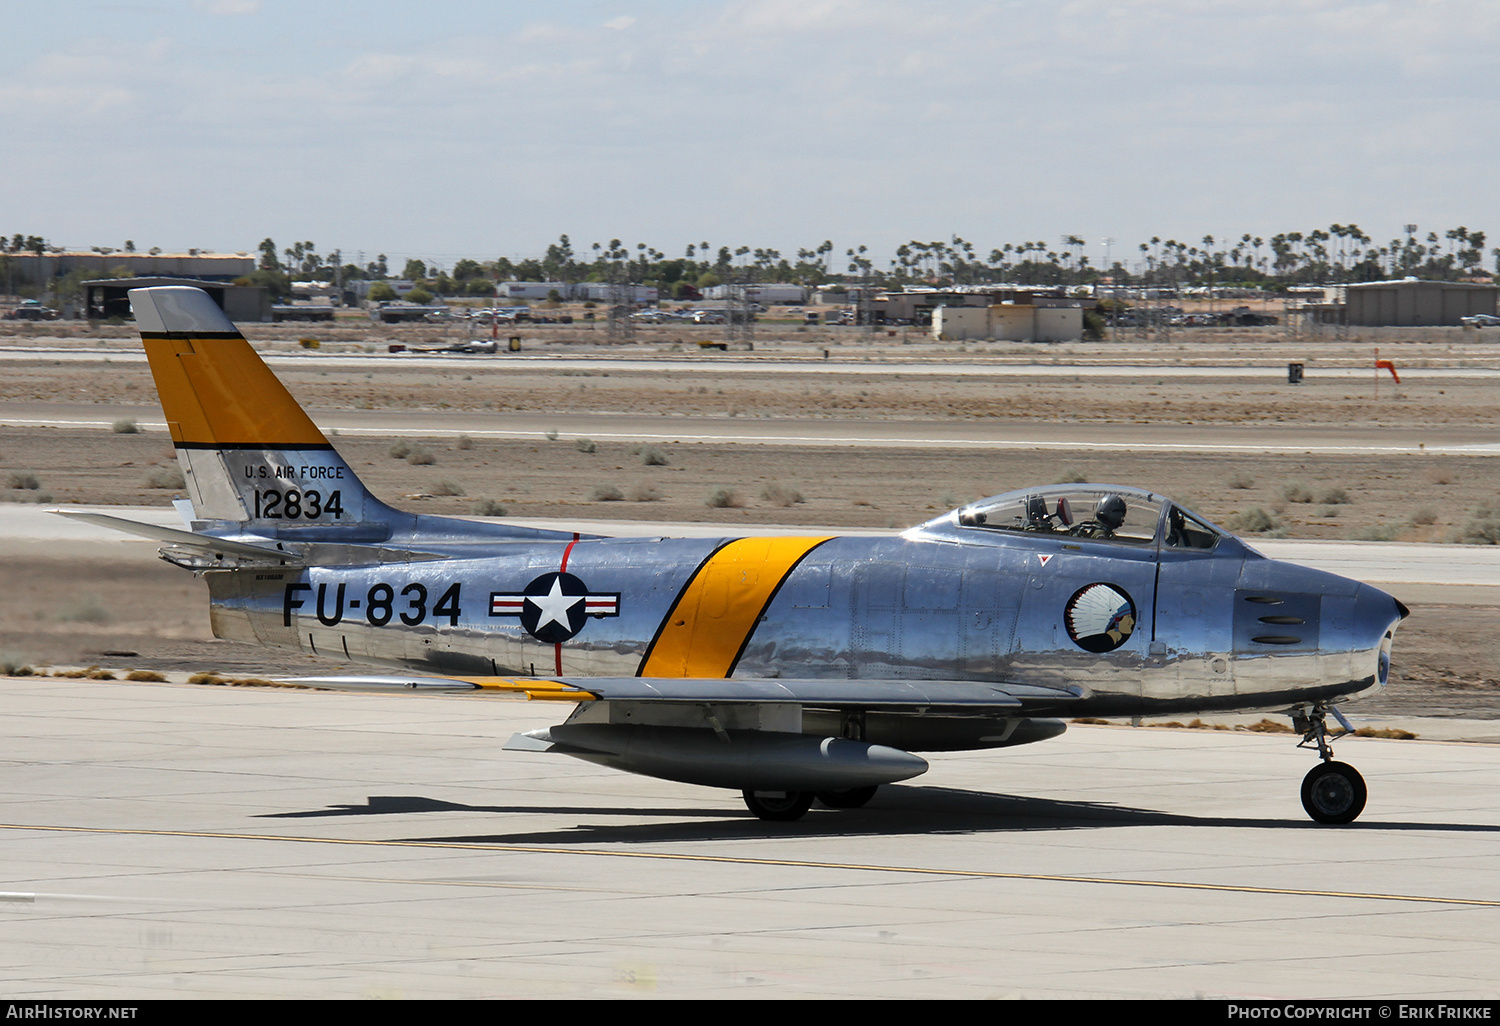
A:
954,696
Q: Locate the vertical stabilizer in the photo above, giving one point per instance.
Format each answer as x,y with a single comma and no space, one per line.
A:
248,452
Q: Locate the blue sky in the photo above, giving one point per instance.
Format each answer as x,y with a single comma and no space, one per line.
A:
452,129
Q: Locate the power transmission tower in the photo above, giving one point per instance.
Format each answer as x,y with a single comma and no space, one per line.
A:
620,327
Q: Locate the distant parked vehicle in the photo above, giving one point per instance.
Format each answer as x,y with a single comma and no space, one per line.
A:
32,311
1480,321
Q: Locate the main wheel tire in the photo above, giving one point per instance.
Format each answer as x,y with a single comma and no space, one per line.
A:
853,798
1333,792
778,806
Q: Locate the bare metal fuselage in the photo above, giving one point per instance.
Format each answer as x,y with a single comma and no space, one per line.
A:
1218,629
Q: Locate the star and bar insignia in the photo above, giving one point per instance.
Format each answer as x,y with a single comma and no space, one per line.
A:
555,606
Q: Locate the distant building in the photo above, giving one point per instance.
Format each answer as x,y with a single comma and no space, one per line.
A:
225,267
1010,322
765,295
109,297
1413,303
599,292
531,289
918,307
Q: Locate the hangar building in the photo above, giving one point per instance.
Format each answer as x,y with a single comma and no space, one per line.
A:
1413,303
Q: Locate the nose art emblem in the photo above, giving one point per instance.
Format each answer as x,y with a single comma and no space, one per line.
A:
1099,617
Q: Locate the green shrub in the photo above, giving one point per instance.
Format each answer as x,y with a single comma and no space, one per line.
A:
1252,521
781,495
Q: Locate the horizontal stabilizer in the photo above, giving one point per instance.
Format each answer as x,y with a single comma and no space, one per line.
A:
180,539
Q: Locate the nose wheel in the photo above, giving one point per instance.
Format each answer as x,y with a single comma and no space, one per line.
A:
1332,792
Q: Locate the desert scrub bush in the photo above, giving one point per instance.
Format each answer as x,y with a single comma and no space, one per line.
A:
550,436
165,477
645,492
464,442
651,456
1482,527
14,666
1071,476
84,611
448,487
125,426
1380,532
1424,517
486,508
146,675
1296,492
1252,521
724,498
778,494
24,480
400,450
584,445
1240,479
606,493
1334,497
420,457
1439,475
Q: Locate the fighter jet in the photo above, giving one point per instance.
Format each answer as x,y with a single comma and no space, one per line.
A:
791,669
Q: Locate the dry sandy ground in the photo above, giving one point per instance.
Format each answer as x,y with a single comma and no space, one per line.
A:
1446,659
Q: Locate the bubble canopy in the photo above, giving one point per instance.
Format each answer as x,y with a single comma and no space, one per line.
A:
1107,513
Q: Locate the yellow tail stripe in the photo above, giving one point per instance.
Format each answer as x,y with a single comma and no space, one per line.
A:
218,391
716,613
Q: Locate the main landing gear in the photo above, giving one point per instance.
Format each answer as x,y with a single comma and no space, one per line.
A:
1332,792
785,806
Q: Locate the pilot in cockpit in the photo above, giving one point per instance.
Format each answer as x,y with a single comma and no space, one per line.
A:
1108,517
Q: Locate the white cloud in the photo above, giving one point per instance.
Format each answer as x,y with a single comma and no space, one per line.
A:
229,8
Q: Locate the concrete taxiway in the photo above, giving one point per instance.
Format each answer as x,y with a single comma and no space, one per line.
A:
177,841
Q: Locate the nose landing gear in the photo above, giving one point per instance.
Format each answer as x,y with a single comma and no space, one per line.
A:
1332,792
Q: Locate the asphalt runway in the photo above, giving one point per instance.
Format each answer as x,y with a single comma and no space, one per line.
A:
941,364
1435,440
173,841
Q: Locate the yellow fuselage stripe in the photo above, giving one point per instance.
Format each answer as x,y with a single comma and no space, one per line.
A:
217,391
716,613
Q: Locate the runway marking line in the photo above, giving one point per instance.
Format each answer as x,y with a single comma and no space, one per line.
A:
526,849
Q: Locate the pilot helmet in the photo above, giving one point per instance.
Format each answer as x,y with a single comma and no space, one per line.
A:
1111,511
